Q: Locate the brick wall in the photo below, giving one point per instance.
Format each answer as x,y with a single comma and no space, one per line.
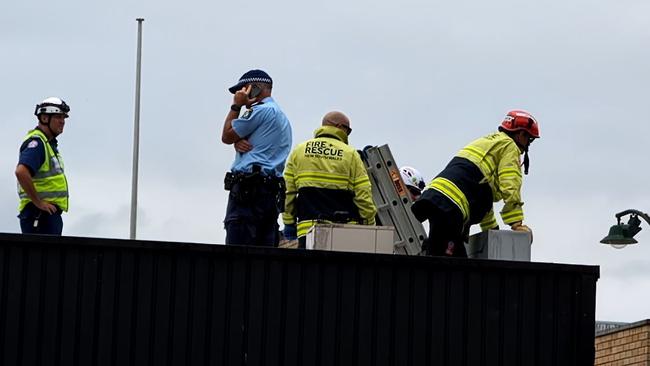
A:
628,345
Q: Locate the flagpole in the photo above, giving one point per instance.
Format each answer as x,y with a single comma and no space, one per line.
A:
136,136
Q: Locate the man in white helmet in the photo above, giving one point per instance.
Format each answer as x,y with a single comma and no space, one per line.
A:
413,180
42,185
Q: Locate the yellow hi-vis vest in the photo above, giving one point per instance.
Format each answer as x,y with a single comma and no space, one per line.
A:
49,181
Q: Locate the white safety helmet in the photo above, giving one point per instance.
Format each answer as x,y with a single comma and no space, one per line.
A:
412,178
52,105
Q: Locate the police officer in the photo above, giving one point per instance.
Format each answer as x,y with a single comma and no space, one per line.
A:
326,181
485,171
262,140
42,185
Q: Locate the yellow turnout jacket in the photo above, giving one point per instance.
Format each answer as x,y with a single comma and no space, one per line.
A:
325,175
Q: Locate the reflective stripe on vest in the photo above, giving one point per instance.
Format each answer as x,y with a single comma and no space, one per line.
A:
46,194
49,181
451,191
489,221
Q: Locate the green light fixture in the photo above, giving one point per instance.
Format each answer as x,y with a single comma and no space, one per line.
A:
621,235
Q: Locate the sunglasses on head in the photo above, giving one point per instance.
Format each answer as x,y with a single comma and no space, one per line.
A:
347,128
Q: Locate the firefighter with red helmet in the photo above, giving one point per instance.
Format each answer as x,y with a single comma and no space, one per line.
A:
485,171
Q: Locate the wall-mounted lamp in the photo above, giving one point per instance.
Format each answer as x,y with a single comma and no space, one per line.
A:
621,235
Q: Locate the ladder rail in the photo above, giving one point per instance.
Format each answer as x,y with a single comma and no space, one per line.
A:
392,200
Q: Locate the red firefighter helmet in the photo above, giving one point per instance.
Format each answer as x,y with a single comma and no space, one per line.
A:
520,120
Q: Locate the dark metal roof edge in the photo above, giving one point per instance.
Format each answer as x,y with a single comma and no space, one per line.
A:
273,252
640,323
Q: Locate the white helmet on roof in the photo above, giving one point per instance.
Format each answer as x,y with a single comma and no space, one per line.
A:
412,178
52,105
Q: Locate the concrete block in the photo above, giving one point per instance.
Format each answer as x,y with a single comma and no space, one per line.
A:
351,238
500,244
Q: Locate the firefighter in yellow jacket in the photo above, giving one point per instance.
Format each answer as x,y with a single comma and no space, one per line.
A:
326,181
485,171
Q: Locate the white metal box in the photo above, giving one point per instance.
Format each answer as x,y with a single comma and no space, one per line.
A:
500,244
351,238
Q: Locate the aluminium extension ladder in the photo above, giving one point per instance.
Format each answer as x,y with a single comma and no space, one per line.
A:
392,199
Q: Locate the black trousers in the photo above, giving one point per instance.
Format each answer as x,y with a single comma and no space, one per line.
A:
252,219
446,234
35,221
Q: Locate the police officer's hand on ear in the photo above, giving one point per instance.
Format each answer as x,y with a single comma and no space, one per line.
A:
241,97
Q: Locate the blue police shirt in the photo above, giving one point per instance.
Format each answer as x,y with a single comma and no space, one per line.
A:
32,153
267,128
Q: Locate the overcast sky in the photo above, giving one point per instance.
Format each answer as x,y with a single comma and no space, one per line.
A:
425,77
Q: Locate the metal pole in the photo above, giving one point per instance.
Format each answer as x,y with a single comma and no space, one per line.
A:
136,136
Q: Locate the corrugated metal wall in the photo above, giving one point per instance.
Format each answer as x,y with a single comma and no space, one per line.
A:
81,301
